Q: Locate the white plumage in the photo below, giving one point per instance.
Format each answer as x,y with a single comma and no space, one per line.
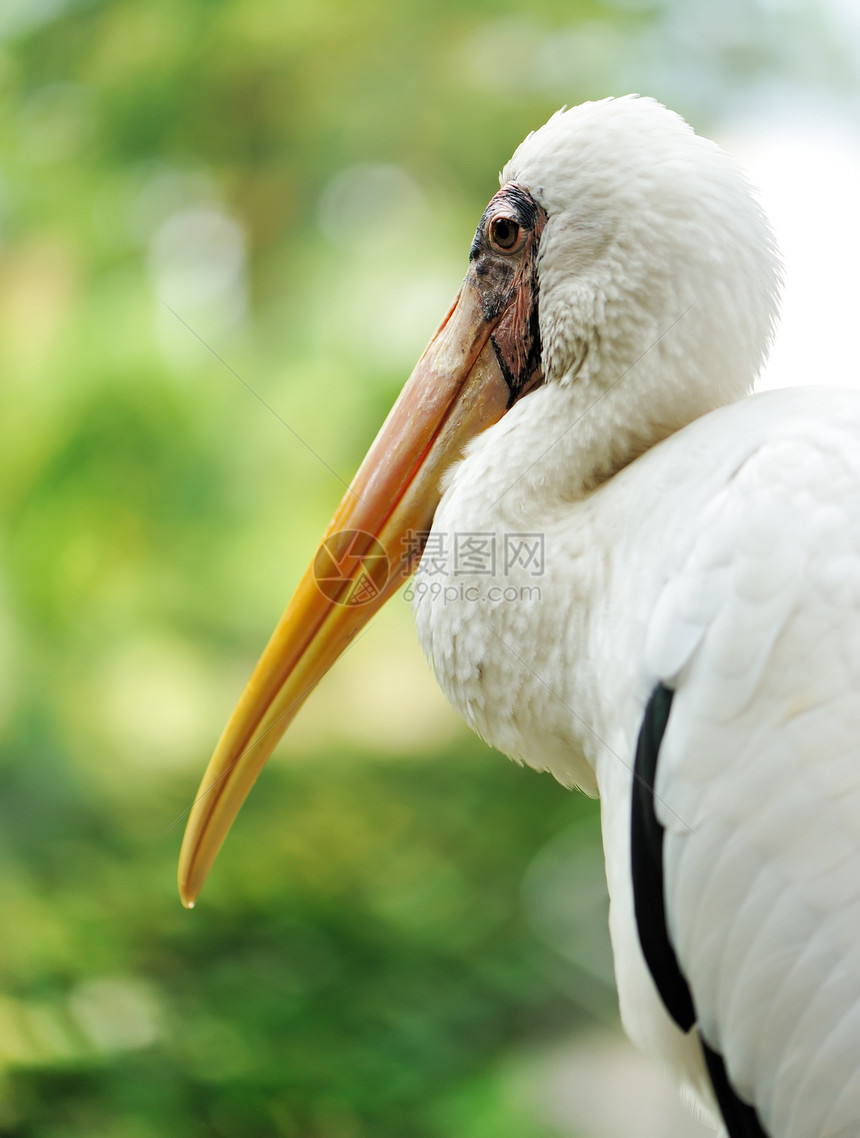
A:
724,562
697,543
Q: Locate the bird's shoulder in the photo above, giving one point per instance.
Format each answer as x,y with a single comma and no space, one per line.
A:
774,535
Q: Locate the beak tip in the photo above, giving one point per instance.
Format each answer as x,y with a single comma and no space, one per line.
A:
188,892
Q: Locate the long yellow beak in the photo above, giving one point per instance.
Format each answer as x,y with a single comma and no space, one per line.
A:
371,546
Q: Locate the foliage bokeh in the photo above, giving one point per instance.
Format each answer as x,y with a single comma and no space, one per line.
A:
226,229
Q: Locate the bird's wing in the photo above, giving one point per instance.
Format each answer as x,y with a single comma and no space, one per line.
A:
757,782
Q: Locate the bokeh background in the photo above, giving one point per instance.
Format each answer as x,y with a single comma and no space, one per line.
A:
227,228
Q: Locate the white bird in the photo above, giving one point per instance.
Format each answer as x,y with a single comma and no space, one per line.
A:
642,579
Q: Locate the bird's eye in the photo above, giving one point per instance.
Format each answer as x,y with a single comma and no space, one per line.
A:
505,234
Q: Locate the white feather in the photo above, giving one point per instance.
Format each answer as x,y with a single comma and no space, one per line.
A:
714,548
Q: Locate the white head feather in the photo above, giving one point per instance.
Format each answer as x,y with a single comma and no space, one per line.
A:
658,271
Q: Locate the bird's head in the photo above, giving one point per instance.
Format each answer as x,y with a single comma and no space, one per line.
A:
623,258
657,272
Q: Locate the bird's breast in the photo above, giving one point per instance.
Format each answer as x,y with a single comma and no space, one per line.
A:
500,606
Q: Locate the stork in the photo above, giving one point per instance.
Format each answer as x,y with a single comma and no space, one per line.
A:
670,617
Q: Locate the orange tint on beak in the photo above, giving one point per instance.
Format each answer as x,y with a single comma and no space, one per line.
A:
371,546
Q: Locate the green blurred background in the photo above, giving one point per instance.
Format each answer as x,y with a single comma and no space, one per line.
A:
227,228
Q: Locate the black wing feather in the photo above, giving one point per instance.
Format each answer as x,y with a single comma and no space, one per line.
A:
740,1118
646,845
647,856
